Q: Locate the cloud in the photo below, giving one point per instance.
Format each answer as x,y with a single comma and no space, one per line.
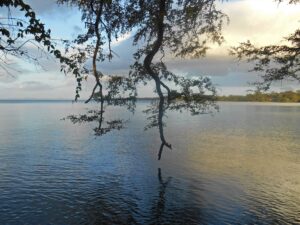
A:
6,78
63,20
211,65
35,86
47,6
123,58
14,67
262,21
77,29
41,7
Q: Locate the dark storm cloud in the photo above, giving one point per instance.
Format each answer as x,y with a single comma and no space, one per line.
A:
208,66
220,65
123,58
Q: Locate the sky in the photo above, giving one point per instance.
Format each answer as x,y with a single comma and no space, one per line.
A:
261,21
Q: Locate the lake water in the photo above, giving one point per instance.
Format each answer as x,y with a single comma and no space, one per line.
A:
239,166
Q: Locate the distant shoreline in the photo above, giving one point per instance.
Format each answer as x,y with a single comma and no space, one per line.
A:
139,99
281,97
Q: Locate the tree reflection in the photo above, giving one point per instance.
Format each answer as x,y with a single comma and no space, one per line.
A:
159,208
111,203
156,111
97,116
197,104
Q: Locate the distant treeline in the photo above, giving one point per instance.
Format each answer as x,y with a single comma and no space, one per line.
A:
287,96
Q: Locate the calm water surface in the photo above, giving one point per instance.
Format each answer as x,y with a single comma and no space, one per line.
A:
240,166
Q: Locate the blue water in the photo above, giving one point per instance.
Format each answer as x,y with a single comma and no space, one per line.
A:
238,166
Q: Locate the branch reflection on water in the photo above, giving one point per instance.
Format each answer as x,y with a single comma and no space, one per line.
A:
111,204
156,111
196,105
159,208
103,126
